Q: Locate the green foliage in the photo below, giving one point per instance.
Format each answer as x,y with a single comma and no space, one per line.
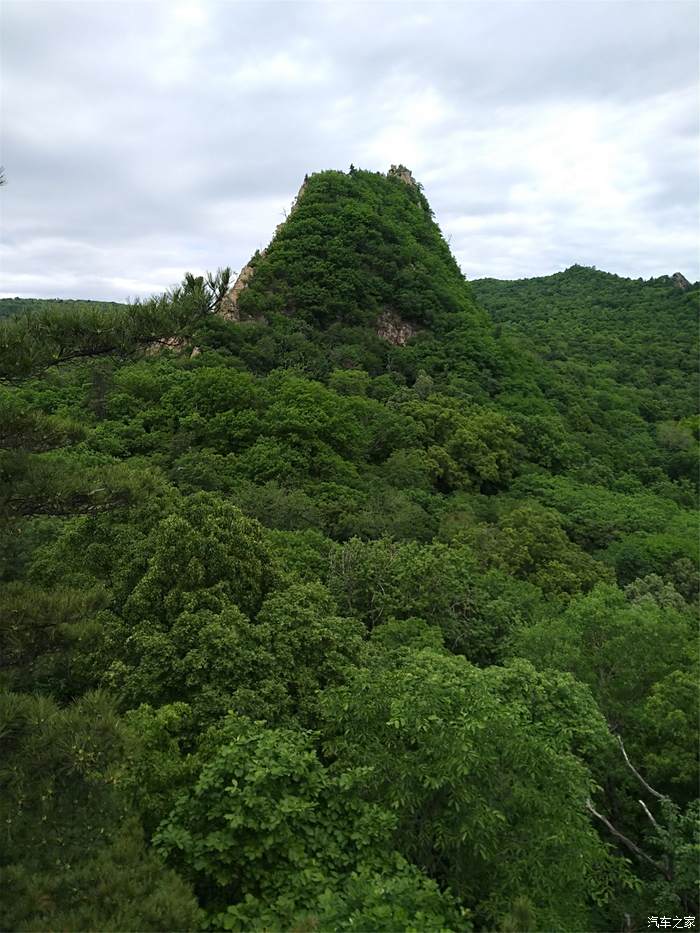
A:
32,341
10,306
530,543
620,649
668,725
381,580
485,803
180,627
206,548
400,898
74,856
677,839
595,330
62,482
367,578
593,516
268,835
39,632
641,554
353,247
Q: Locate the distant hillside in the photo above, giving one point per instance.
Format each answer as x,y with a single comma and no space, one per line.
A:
9,306
608,333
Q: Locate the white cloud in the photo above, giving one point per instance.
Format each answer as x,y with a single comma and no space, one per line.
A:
142,140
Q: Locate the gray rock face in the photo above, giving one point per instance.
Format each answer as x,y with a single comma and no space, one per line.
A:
392,328
402,173
680,281
229,306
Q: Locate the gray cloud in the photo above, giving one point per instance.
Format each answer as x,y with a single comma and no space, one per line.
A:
142,140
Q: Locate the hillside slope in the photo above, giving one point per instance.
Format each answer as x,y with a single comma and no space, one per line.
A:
326,600
637,334
355,247
9,306
358,269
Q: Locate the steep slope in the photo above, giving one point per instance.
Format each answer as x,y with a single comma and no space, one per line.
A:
354,248
360,276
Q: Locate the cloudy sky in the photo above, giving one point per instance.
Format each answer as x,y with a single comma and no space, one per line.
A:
143,139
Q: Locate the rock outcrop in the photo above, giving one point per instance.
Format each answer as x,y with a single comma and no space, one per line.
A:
403,174
392,328
176,344
680,281
172,344
228,309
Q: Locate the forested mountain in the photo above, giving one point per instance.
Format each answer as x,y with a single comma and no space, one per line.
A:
10,306
351,597
617,334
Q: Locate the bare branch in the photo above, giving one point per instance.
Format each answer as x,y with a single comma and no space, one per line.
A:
632,846
648,813
636,773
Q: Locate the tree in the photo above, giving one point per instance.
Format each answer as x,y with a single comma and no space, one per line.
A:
530,543
74,854
674,839
620,650
269,836
486,803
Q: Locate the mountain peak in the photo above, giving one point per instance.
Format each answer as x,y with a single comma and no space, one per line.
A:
680,281
355,249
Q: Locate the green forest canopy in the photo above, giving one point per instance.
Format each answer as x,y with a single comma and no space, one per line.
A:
307,628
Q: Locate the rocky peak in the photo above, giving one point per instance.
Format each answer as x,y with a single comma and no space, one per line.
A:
303,281
403,174
680,281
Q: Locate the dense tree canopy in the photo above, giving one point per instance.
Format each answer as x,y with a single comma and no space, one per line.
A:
367,604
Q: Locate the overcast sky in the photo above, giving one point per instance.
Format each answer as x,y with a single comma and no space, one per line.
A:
142,140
